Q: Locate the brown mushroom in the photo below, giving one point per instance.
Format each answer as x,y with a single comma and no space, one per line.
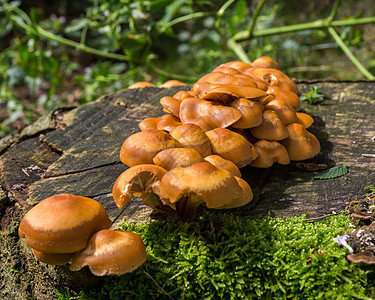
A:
192,136
286,114
238,65
199,89
141,147
305,120
168,122
231,146
225,94
142,181
149,123
246,196
207,115
300,144
273,77
271,129
366,257
251,110
141,84
171,105
222,78
225,164
181,95
270,152
63,223
199,184
111,253
177,157
57,259
265,62
288,96
170,83
226,70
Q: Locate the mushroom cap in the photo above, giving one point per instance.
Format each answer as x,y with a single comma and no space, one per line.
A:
366,257
141,84
226,70
222,78
232,146
111,253
170,83
137,180
238,65
300,144
192,136
181,95
57,259
272,77
207,115
305,120
225,94
141,147
246,197
265,62
225,164
271,129
63,223
288,96
284,111
149,123
168,122
177,157
171,104
252,113
268,153
214,186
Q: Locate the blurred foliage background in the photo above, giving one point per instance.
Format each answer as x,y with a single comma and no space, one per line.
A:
65,53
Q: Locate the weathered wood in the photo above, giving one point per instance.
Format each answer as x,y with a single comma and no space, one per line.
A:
77,151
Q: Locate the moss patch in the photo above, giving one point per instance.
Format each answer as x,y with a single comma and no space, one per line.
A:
234,257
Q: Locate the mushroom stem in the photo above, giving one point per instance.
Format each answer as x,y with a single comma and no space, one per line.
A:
152,200
187,207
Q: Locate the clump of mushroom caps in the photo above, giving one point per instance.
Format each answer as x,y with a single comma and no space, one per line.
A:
68,228
239,114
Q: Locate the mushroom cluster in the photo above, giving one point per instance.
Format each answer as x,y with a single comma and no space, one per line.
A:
68,228
239,114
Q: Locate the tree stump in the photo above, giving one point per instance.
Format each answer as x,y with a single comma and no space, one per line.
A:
76,150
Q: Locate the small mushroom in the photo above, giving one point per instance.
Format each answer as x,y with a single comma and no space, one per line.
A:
366,257
222,78
149,123
141,181
231,146
305,120
270,152
141,84
181,95
271,129
300,144
288,96
141,147
111,253
286,114
225,164
265,62
192,136
207,115
272,77
200,184
252,113
246,196
170,83
57,259
168,122
238,65
63,223
177,157
171,105
226,70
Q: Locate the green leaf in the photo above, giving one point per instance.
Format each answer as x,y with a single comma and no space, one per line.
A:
313,96
333,172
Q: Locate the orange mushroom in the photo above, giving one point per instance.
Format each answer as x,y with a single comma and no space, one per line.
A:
170,83
171,105
252,113
231,146
246,196
286,114
289,97
207,115
226,70
238,65
177,157
149,123
265,62
225,164
270,152
300,144
111,253
141,84
141,147
271,129
168,122
305,120
192,136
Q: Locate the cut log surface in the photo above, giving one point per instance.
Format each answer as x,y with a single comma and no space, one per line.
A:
76,150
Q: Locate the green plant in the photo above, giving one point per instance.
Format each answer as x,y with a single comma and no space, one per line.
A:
313,96
229,256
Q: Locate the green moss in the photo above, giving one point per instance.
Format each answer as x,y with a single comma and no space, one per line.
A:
235,257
